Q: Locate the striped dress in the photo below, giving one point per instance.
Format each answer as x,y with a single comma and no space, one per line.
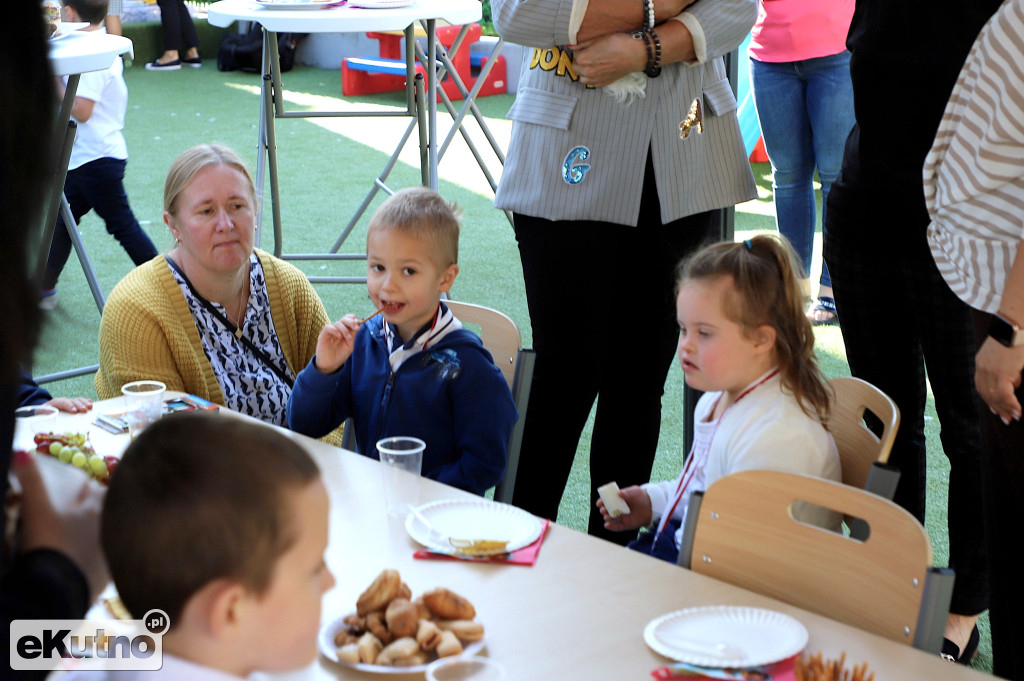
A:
974,173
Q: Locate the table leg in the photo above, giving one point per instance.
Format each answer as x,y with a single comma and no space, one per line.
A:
272,92
83,256
431,71
65,140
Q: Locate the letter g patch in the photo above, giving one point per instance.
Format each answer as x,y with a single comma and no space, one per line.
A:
572,172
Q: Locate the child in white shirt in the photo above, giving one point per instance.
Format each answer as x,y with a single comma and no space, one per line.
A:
95,179
222,524
744,339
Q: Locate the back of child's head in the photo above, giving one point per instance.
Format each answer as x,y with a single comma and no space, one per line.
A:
422,213
93,11
766,291
196,498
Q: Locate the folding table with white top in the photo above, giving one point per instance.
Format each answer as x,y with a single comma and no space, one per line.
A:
319,16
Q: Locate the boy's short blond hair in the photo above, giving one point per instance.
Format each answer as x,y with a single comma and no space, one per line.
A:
421,212
199,497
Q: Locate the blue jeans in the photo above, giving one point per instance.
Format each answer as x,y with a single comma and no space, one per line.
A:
806,112
98,185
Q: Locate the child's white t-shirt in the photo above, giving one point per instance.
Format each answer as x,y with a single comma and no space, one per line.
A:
100,136
766,430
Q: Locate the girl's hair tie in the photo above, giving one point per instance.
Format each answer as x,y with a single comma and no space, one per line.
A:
749,247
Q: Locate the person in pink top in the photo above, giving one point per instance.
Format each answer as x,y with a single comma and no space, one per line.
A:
800,76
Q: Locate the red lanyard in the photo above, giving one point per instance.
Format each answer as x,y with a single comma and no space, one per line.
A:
691,468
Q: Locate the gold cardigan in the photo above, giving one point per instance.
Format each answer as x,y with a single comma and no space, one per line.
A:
148,332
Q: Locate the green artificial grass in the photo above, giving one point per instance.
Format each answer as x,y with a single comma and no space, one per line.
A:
326,168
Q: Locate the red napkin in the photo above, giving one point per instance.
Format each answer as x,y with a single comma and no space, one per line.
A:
783,670
524,556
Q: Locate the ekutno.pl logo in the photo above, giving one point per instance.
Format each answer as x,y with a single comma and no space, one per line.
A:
135,645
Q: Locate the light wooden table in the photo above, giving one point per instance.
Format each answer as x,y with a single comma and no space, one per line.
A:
578,614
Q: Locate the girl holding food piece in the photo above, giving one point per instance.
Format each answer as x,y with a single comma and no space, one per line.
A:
745,341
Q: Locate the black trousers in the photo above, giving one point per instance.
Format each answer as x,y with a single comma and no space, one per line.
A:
178,29
98,185
602,307
899,319
1003,469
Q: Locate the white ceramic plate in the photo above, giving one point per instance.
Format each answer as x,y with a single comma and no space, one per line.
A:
330,651
293,4
706,636
379,4
474,519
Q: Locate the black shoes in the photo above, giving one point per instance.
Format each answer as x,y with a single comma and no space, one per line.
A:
164,66
951,652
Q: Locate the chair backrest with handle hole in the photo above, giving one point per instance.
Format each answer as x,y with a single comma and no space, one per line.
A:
745,533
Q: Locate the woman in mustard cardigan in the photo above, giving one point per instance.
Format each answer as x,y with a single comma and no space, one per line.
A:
214,317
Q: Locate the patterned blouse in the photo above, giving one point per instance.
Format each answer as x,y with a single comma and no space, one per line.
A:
249,385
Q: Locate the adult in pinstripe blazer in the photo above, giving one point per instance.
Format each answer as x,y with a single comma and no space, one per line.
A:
607,197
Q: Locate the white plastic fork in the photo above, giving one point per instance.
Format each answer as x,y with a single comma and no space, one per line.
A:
719,649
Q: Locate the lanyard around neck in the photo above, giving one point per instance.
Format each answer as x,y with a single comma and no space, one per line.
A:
692,466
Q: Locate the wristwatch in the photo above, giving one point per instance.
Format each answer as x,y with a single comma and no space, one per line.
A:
1005,332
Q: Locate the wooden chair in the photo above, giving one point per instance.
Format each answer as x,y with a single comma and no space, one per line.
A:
501,337
863,454
741,530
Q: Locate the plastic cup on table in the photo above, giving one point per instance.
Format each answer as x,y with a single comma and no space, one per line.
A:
30,421
402,459
465,669
144,404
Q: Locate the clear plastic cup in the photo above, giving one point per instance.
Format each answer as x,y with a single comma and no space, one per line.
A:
403,460
144,404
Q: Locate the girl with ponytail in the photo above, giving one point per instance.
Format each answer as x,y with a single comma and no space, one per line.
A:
745,341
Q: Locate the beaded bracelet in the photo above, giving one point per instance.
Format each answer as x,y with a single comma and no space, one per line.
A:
653,69
649,13
642,35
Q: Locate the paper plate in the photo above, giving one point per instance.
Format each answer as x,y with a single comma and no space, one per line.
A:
293,4
474,519
379,4
709,636
326,643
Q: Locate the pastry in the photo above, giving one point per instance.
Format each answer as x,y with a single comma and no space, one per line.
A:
428,635
398,649
466,630
448,645
369,647
413,660
402,618
349,653
376,626
384,588
613,503
448,605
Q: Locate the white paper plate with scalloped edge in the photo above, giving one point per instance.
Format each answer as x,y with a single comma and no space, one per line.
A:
726,636
474,519
294,4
